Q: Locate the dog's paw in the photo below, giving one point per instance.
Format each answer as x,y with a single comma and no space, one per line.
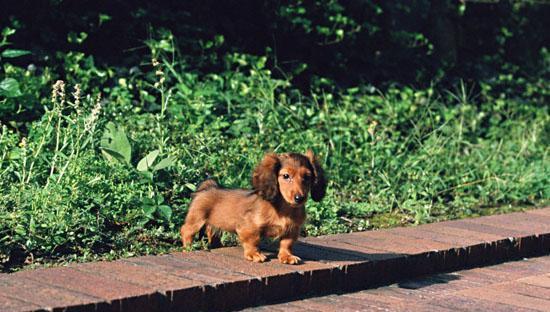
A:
256,257
289,259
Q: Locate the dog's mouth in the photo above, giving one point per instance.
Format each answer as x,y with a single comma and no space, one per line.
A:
296,205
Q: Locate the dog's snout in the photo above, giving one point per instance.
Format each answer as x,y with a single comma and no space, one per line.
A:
299,198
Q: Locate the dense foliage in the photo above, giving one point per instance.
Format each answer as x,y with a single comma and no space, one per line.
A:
98,159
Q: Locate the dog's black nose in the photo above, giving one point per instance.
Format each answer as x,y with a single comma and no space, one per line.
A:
299,198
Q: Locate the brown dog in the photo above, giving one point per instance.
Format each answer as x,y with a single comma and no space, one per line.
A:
274,208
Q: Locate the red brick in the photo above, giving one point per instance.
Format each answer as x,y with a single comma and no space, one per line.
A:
392,301
540,211
181,266
351,304
110,290
517,287
424,256
321,304
501,297
500,273
513,244
490,248
91,284
16,305
469,237
390,263
161,286
472,225
423,232
540,260
47,297
486,276
223,289
329,251
273,281
266,308
297,306
359,266
520,268
433,285
461,303
541,280
343,250
384,298
526,223
228,259
305,265
395,242
282,307
147,277
365,274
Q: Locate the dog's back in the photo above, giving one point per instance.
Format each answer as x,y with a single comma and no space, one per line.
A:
219,207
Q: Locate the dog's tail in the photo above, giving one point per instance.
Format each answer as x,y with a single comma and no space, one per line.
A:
206,185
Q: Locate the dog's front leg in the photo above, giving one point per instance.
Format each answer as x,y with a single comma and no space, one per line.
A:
285,251
250,241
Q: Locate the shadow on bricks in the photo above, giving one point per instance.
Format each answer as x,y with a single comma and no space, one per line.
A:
428,281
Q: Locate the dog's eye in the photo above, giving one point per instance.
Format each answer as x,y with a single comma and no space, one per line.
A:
286,176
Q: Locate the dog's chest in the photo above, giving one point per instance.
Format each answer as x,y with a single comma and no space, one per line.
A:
281,226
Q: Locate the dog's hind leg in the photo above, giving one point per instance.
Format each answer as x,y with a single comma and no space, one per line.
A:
213,239
193,223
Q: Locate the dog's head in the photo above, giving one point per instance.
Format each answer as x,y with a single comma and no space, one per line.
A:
290,177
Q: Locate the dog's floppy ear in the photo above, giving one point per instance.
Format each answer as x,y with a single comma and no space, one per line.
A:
319,184
264,178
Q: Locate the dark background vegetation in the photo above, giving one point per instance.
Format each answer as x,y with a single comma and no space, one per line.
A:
384,42
419,110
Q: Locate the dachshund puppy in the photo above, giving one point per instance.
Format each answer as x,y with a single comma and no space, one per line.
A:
275,207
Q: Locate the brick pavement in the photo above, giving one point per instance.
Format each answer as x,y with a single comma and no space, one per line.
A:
522,285
222,280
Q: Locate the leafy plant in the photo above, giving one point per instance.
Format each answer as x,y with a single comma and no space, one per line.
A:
155,207
148,167
115,145
9,87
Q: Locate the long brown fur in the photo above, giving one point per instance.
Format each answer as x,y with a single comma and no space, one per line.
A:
275,207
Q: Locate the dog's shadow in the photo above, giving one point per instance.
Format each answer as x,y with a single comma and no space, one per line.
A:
326,254
427,281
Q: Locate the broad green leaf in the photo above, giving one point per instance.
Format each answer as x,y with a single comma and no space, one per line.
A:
191,186
165,212
12,53
20,230
9,87
114,141
146,162
149,210
148,175
148,201
112,155
159,199
165,163
14,154
6,32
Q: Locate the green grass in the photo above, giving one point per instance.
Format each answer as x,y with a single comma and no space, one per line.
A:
74,185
